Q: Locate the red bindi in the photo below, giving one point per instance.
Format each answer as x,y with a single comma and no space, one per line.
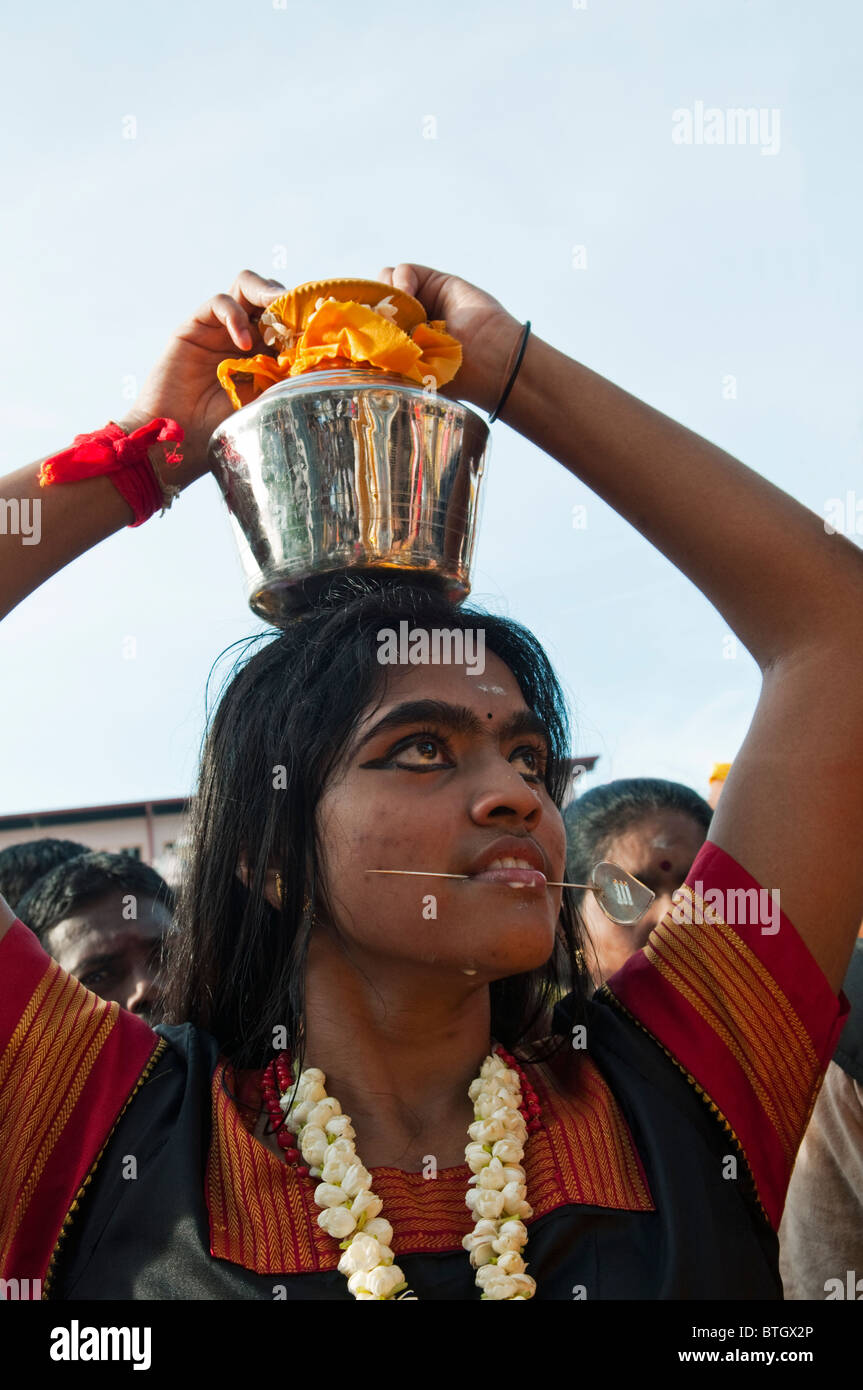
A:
665,864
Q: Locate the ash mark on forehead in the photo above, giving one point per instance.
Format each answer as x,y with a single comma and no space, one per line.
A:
492,689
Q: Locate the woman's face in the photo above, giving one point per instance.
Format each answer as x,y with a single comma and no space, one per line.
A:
445,775
659,850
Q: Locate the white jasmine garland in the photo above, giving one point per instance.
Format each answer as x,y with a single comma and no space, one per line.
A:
324,1111
330,1194
313,1144
356,1179
334,1167
367,1205
337,1221
378,1227
497,1189
340,1127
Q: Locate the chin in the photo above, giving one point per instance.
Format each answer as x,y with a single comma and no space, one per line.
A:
514,947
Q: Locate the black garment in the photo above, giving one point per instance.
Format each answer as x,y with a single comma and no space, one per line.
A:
148,1237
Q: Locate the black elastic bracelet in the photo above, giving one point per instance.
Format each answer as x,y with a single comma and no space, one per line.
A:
502,402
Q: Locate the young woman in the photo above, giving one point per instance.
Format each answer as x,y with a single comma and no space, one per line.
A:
655,1135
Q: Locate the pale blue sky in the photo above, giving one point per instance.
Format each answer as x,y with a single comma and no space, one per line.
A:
301,127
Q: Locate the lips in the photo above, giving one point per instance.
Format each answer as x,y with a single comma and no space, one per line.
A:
511,860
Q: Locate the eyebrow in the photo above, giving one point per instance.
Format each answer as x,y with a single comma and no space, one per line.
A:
90,962
457,718
111,957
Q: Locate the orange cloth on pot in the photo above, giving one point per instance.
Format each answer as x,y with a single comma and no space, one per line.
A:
346,330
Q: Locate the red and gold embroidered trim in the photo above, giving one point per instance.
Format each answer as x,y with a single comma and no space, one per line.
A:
263,1217
61,1033
68,1061
158,1051
750,1023
726,983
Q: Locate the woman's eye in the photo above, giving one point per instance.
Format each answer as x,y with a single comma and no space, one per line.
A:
533,759
421,752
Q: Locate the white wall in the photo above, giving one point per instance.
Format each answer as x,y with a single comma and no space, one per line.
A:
109,834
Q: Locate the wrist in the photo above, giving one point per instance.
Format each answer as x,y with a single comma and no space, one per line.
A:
491,357
526,402
178,475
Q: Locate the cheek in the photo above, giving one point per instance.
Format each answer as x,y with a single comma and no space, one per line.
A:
367,827
553,835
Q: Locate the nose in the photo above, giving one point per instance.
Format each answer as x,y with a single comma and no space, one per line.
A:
506,798
144,994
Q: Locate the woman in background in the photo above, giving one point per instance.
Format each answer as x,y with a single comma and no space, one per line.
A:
653,829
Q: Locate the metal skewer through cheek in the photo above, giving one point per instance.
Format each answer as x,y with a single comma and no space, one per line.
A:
623,898
429,873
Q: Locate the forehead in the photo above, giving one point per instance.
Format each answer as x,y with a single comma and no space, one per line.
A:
494,690
659,834
102,923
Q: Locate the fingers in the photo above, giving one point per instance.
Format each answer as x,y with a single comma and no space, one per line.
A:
422,281
235,319
252,291
403,276
240,310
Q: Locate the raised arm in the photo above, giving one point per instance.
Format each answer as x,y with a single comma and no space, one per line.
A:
793,595
791,592
183,386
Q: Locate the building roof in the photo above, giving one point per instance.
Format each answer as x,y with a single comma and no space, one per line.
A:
79,815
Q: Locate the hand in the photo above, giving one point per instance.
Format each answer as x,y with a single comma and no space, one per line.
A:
489,335
183,384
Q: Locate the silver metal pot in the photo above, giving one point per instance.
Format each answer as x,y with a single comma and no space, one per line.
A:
350,470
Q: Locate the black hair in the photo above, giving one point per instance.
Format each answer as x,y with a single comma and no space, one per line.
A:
21,865
598,816
77,883
236,964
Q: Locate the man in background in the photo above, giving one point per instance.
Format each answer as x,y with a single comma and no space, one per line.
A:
103,917
21,865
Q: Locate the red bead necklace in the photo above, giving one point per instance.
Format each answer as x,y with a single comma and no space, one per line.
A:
277,1079
530,1108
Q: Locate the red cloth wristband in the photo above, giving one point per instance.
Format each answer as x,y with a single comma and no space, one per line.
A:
121,457
137,484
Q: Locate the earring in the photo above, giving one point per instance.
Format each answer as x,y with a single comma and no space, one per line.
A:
307,902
